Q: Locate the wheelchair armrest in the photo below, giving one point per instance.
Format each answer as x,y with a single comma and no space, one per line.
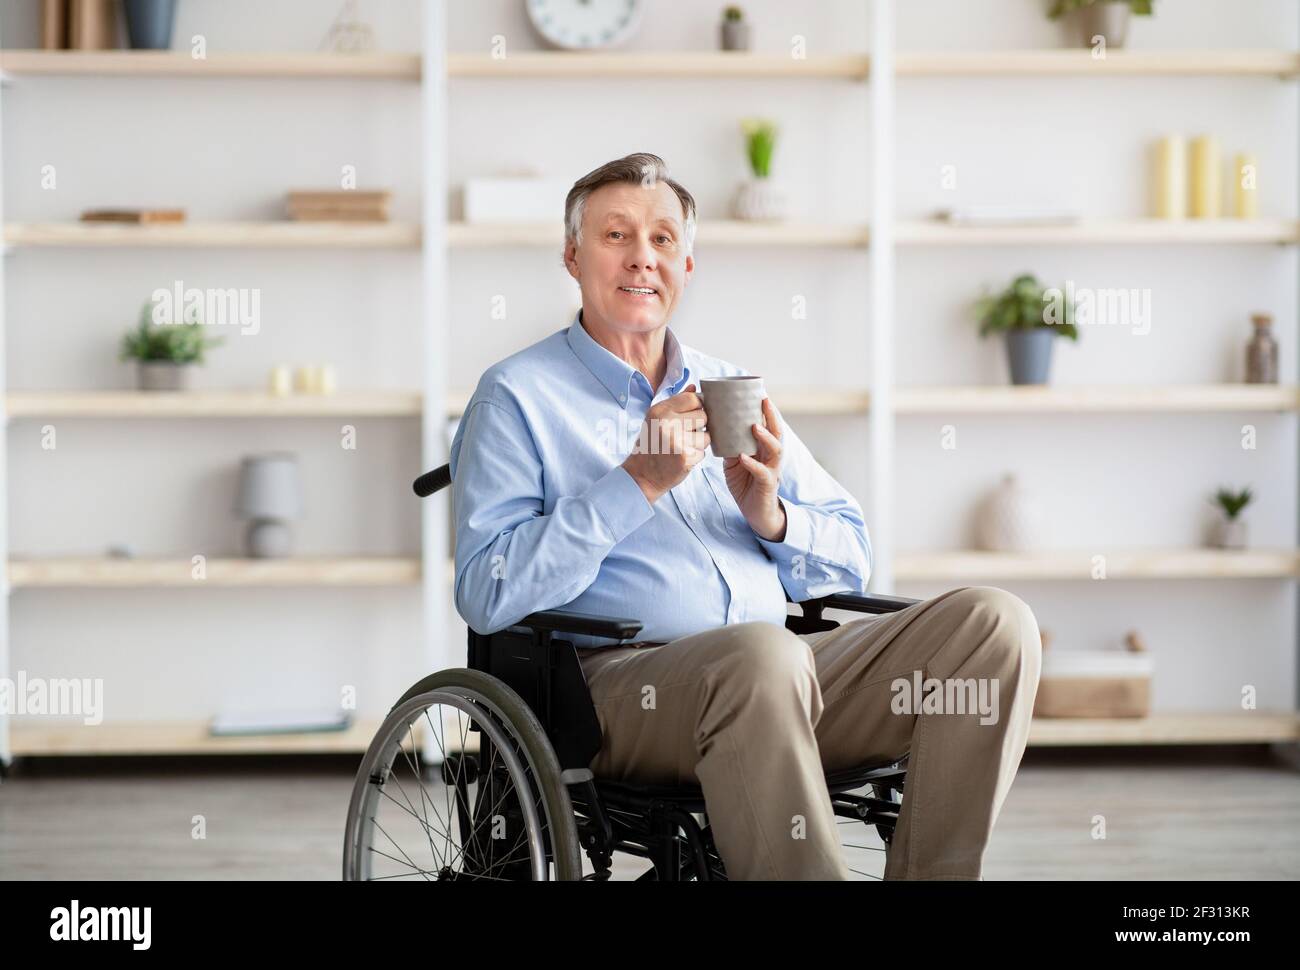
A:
566,621
859,603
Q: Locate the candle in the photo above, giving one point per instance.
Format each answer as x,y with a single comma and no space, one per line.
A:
325,379
1205,178
1244,192
280,383
305,379
1171,177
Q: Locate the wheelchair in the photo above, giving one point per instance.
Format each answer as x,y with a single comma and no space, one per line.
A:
482,773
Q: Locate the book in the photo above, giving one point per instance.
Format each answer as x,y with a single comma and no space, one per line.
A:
1009,215
281,721
137,216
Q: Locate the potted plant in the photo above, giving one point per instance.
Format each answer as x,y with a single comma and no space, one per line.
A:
149,23
1104,18
165,354
734,30
759,197
1020,312
1230,528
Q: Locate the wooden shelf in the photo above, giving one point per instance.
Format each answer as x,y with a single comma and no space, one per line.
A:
1031,400
1193,563
1234,727
240,235
388,235
176,737
659,64
45,738
105,572
1117,63
934,232
209,404
403,67
703,64
810,401
717,232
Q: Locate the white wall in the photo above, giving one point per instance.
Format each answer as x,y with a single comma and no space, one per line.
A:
229,149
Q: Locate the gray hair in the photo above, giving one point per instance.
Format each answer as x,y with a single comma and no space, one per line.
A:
640,168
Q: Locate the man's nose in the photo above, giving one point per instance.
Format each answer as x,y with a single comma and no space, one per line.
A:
643,254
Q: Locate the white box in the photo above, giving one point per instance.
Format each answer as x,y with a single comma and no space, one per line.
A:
497,200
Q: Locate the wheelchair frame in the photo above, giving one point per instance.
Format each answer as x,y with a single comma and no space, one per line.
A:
631,817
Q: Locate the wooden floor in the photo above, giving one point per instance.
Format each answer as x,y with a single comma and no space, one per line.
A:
1169,814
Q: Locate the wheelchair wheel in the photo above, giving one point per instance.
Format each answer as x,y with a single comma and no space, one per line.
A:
490,806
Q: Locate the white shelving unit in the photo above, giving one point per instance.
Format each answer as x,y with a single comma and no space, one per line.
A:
435,69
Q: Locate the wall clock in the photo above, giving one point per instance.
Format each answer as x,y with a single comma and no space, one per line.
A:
585,24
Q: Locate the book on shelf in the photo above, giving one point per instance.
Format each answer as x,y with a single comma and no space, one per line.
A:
138,217
244,721
1009,215
343,205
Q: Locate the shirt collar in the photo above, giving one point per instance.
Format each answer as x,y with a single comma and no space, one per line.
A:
617,374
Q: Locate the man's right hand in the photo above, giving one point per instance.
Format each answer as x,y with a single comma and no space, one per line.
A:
670,443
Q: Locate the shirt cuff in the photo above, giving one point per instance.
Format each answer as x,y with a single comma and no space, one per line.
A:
798,533
619,501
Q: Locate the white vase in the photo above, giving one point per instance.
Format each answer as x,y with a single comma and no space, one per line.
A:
761,200
1010,519
1229,533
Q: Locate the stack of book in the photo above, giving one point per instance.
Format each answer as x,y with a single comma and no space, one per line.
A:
345,205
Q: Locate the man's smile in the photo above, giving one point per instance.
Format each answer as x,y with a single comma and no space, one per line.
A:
639,293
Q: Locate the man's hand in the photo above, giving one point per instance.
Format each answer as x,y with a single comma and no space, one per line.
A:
669,444
753,480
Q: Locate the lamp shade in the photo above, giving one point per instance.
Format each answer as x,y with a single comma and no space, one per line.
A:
268,487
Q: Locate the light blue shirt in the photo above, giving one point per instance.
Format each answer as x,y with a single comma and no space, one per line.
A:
546,516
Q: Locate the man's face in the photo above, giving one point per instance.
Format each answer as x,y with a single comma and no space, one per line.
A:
633,236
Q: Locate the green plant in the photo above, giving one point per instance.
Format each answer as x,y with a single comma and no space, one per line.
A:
760,135
1023,306
179,343
733,13
1232,502
1139,8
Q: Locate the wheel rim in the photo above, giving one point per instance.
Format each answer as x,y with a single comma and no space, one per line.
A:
480,821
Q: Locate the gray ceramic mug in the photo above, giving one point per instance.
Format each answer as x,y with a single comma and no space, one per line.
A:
731,406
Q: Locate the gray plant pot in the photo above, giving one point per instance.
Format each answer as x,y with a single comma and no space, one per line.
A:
163,375
1029,352
149,23
735,35
1109,18
268,539
1229,533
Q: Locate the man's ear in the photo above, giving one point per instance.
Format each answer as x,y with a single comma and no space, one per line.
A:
690,266
571,260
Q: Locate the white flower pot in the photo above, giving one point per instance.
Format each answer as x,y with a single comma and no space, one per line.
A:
1010,519
761,200
1230,533
163,375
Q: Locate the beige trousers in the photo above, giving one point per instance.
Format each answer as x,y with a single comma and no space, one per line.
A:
755,715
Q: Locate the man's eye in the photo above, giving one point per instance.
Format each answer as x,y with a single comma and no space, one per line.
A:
615,232
666,238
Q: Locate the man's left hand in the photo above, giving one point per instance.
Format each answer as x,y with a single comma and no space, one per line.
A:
753,480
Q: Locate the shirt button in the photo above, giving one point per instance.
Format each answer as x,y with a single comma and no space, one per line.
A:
622,399
691,516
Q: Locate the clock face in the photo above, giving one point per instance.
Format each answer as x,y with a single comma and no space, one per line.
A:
585,24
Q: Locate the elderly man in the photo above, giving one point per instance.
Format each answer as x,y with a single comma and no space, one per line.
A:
562,500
